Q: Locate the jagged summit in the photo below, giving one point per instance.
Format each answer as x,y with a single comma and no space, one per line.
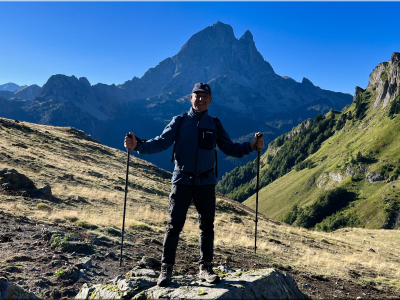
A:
306,81
247,36
384,79
395,57
218,34
67,88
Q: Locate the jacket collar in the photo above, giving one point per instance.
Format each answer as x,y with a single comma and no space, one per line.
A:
195,113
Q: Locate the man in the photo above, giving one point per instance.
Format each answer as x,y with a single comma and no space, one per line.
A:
196,134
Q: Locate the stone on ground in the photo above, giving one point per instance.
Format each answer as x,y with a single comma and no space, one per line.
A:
258,284
13,291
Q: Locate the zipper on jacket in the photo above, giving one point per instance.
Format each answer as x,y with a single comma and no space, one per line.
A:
197,149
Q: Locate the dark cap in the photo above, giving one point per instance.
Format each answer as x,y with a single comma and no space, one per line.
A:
201,87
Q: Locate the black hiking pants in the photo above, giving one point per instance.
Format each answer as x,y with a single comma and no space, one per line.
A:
181,196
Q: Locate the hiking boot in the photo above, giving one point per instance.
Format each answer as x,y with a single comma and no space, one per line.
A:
207,274
165,277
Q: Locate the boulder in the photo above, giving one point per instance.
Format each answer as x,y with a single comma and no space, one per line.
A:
17,181
374,177
9,290
258,284
120,287
85,262
45,192
149,262
142,273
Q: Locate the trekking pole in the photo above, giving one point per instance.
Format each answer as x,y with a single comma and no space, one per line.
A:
126,192
257,188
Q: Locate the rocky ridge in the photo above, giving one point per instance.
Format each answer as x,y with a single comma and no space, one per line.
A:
385,80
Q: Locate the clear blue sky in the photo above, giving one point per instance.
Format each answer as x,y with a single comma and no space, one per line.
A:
334,44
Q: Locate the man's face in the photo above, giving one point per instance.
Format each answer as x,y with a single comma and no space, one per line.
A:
200,101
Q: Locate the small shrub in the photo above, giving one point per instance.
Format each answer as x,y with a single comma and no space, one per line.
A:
72,219
64,242
44,207
62,273
139,226
86,225
57,240
112,231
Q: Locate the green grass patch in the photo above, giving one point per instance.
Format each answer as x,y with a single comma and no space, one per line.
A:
86,225
140,226
112,231
44,207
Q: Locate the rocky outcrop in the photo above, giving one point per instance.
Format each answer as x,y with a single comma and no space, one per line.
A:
258,284
328,179
375,177
303,126
9,290
357,92
384,79
12,180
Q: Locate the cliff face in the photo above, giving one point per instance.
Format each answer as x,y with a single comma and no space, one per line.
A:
240,77
385,80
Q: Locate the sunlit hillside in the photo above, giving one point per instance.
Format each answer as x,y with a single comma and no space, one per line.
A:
87,181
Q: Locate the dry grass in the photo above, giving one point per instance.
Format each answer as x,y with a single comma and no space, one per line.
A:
94,199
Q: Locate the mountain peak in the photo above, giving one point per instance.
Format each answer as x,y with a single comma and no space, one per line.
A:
10,86
306,81
395,58
222,26
67,88
247,36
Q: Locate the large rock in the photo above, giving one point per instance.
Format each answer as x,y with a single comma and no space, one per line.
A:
375,177
259,284
121,287
15,179
12,291
384,79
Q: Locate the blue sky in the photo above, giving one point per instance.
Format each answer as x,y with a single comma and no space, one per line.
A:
334,44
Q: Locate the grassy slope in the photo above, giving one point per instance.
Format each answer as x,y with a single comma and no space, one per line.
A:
376,135
47,161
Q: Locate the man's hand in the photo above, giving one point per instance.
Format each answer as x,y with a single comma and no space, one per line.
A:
130,142
258,142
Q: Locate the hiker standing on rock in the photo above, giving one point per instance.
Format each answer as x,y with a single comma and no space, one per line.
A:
196,134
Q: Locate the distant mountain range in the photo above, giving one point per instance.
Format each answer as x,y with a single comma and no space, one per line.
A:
10,87
24,93
248,96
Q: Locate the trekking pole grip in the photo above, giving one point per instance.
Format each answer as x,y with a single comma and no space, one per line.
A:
129,136
258,137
